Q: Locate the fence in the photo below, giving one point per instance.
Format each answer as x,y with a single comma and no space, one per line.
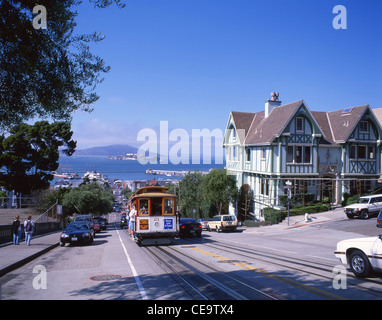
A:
40,228
50,220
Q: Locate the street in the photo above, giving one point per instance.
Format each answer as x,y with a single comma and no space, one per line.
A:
295,264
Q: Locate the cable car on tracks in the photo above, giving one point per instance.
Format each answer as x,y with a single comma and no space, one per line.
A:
156,220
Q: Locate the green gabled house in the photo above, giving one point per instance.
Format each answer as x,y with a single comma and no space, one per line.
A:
318,153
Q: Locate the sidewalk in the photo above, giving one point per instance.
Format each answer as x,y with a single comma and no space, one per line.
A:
299,221
14,256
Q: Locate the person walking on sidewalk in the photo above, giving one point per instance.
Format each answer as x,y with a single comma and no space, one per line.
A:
16,230
28,227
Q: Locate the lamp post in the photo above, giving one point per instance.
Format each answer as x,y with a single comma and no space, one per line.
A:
289,194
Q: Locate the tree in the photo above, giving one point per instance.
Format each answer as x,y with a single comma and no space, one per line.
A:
46,72
244,202
89,198
219,189
190,195
31,152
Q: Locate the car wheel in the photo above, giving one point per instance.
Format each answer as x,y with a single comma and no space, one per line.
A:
208,228
62,244
350,216
364,215
359,264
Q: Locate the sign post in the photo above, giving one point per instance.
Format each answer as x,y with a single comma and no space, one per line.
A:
289,194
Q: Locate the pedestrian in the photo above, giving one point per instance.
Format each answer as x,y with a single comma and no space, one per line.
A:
16,230
28,228
132,214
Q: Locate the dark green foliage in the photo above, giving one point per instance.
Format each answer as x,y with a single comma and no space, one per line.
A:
46,72
89,198
31,152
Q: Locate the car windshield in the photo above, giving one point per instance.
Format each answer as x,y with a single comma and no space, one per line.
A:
83,219
187,220
77,226
363,200
229,218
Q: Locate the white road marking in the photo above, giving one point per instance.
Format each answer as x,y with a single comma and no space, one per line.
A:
135,274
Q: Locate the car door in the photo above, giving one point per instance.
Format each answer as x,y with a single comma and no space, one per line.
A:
379,203
373,205
376,259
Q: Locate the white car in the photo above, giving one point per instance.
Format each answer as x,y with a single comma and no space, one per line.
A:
363,255
364,207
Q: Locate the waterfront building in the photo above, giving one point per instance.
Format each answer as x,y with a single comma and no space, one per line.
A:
320,154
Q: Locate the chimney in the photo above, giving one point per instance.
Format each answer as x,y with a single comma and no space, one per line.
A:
271,103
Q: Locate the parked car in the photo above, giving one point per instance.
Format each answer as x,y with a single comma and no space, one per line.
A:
101,223
189,227
124,222
364,207
222,223
204,222
76,232
88,218
97,226
379,220
363,255
104,220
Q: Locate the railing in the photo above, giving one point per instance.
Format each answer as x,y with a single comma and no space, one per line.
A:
53,214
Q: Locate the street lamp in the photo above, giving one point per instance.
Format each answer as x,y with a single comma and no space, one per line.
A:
289,194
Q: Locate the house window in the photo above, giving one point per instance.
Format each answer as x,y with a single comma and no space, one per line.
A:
264,187
290,154
248,154
361,152
263,153
234,153
307,150
299,124
353,152
364,126
298,154
371,153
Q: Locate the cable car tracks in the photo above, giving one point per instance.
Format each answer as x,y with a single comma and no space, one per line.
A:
203,281
209,271
318,269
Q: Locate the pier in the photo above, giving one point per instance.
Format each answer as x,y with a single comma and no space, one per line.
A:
173,173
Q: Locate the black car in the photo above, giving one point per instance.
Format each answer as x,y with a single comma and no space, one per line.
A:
77,232
124,222
190,227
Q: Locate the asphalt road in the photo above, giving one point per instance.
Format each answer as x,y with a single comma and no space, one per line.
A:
295,264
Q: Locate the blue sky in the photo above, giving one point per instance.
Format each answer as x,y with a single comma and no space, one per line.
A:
191,62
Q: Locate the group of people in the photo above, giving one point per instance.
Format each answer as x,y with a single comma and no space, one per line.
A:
28,229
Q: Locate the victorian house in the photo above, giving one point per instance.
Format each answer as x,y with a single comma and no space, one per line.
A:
323,154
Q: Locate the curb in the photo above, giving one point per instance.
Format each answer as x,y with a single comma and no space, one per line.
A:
24,261
306,224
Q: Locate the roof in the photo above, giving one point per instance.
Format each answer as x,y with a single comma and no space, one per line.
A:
264,130
335,126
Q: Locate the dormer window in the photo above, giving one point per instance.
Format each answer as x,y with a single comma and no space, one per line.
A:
300,124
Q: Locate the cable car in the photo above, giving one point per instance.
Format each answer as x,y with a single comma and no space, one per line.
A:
156,220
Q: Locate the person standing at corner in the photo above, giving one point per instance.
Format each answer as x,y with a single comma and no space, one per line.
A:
28,227
16,230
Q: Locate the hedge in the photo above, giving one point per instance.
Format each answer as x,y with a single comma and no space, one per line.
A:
276,216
